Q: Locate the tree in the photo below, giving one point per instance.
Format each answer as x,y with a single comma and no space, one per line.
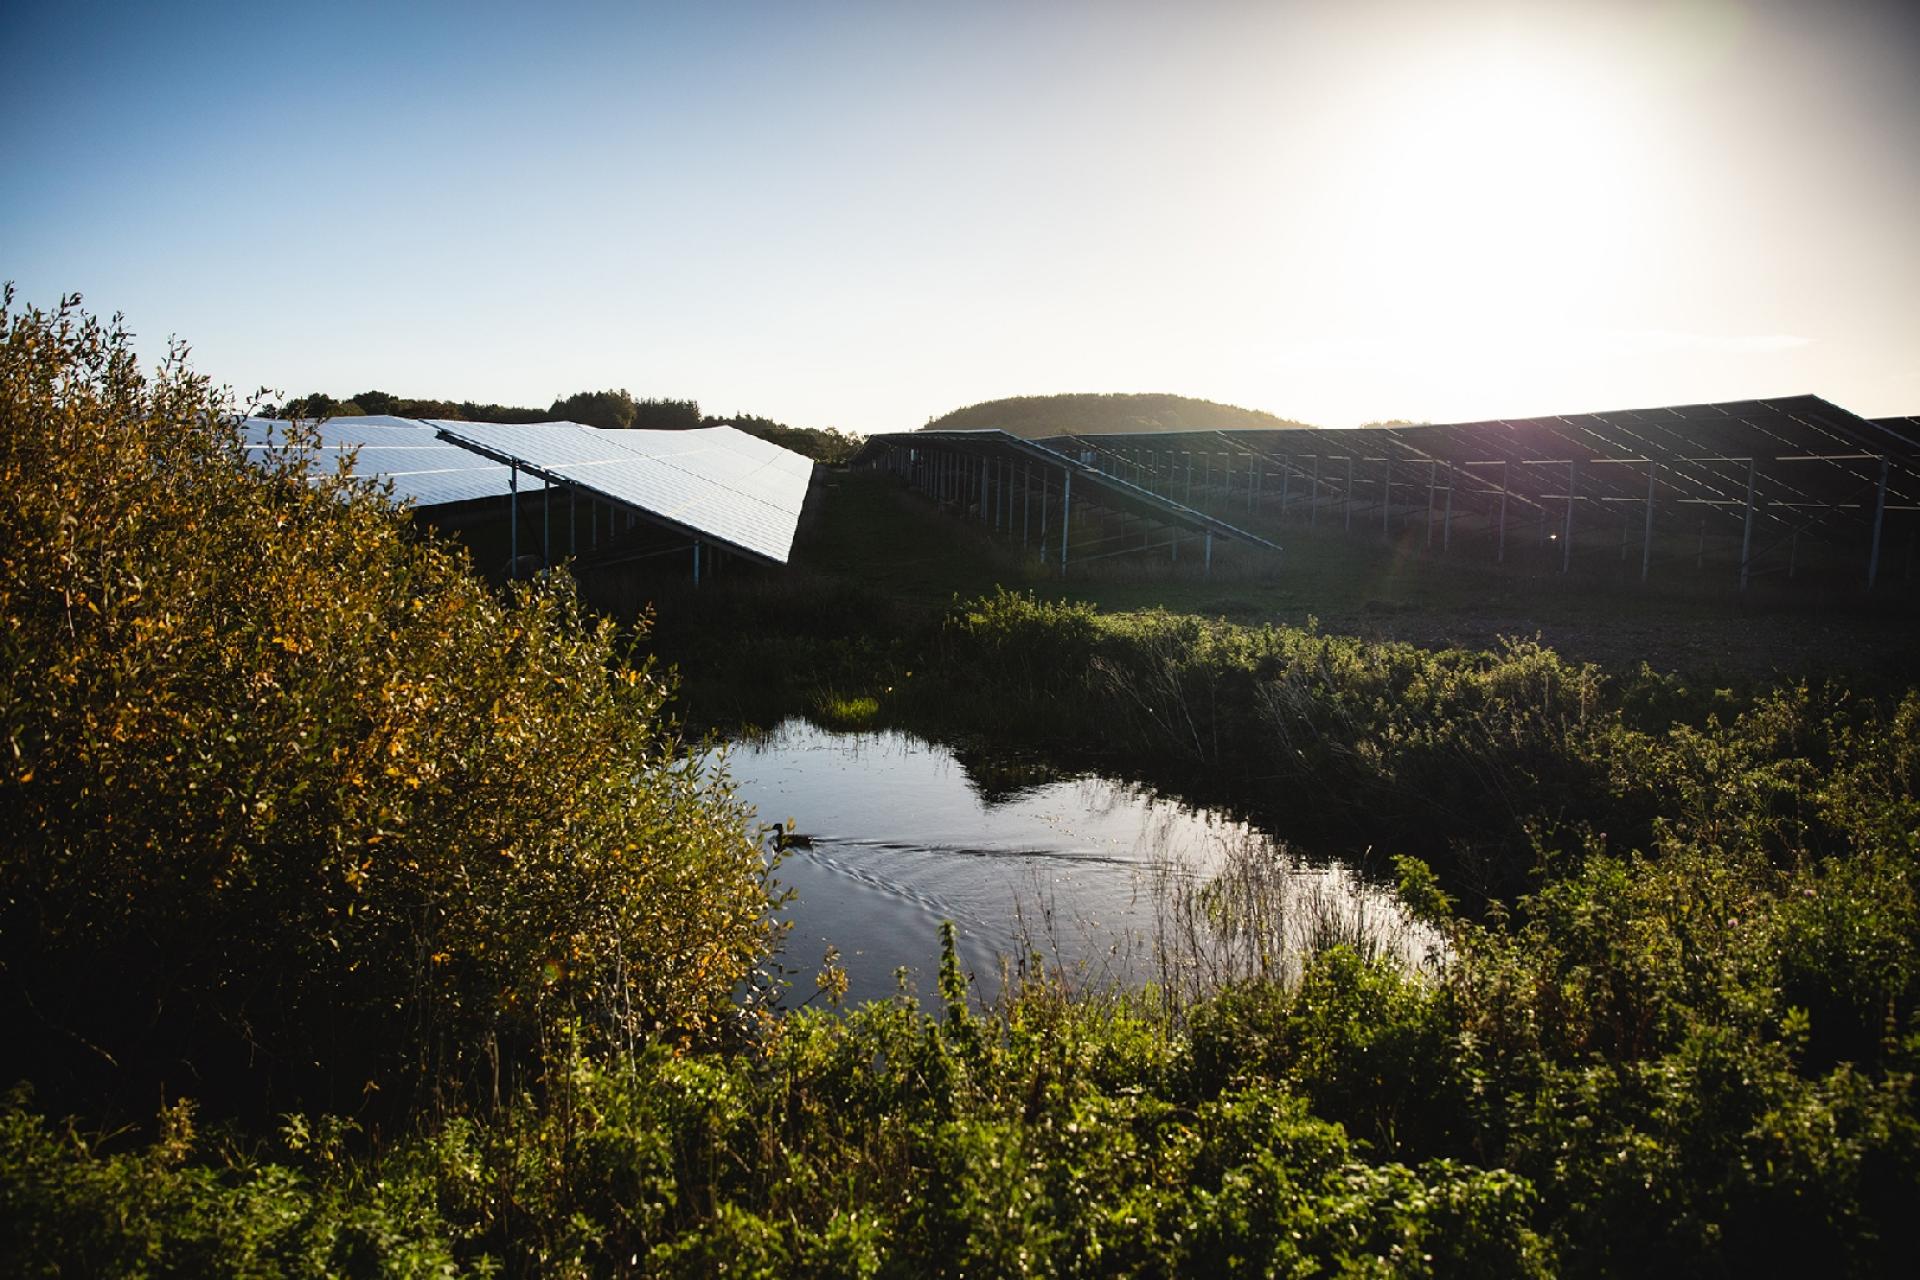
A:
609,410
667,415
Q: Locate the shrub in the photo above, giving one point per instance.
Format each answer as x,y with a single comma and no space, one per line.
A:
299,811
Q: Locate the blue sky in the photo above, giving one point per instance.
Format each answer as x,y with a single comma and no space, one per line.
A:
862,215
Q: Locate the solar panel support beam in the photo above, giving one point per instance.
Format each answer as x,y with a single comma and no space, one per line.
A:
513,521
1646,533
1566,537
1066,512
1386,493
1026,503
1746,524
1433,494
1879,517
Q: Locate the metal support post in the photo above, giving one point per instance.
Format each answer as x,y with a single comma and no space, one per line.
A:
1349,493
696,562
1501,556
1313,505
1879,518
1386,494
1446,521
1066,515
1746,526
1646,534
1026,502
1566,537
1433,493
1207,568
513,520
546,523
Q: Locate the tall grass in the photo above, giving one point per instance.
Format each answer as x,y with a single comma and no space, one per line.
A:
1263,915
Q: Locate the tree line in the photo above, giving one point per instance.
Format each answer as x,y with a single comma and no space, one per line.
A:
610,410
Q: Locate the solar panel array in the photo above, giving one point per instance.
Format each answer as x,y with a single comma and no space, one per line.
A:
426,470
1803,456
1794,486
714,482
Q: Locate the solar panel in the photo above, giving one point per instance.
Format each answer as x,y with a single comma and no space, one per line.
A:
426,470
718,482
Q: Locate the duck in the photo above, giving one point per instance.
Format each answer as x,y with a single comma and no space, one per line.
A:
786,838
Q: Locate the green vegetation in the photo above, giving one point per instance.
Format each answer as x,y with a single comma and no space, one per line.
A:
1037,417
367,922
619,411
299,812
318,405
829,445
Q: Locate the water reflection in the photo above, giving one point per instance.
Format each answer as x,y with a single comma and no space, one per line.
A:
1102,879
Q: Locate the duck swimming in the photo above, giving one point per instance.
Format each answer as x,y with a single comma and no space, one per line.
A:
783,838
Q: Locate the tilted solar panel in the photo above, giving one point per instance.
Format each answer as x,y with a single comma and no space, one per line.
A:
718,482
426,470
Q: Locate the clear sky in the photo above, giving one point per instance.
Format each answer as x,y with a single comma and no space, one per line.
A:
865,214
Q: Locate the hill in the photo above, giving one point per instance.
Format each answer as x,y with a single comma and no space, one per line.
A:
1037,417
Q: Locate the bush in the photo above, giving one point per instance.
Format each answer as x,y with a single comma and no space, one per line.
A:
299,811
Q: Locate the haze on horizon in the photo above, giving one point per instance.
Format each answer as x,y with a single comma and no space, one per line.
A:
863,215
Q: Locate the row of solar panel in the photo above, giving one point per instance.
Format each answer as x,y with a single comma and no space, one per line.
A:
717,483
1700,448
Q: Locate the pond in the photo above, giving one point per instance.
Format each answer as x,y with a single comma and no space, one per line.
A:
1106,881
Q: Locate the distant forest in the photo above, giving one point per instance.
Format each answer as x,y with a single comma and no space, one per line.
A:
608,410
1036,417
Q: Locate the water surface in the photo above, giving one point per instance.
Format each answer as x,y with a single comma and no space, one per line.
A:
900,836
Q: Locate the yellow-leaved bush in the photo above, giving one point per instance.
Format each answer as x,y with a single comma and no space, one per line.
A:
297,809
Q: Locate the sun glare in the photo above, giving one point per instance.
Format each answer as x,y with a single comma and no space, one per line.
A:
1501,182
1496,199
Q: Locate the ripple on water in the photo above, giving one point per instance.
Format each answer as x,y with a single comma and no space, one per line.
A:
1092,873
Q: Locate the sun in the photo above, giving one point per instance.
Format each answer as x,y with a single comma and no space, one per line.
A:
1500,185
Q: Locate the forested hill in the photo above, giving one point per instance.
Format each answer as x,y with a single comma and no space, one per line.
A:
1037,417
